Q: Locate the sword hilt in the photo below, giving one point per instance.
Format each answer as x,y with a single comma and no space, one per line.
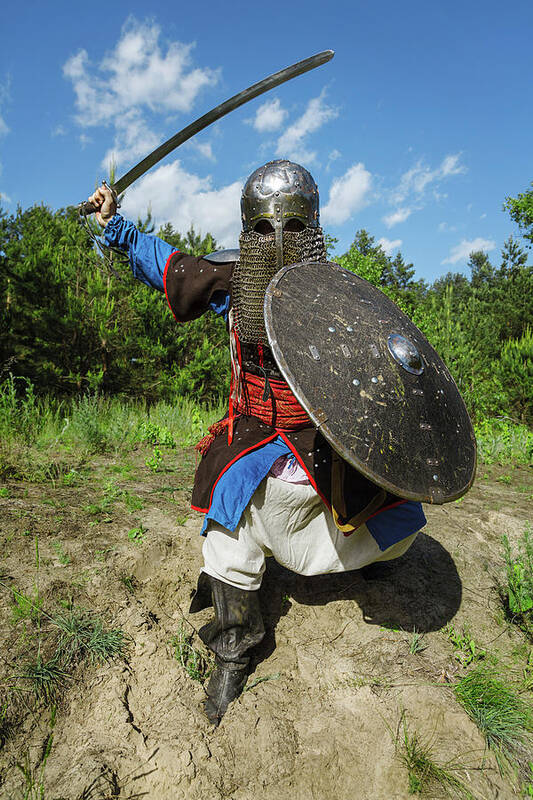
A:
86,208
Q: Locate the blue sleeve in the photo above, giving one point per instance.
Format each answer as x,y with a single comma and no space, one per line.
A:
148,255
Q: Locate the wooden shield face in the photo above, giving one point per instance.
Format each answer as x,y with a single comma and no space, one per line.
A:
371,382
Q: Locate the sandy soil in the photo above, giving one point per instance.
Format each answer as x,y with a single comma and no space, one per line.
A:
336,667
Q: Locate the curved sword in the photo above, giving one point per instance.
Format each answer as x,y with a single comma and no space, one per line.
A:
212,116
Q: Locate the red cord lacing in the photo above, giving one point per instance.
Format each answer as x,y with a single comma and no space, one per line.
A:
273,403
268,399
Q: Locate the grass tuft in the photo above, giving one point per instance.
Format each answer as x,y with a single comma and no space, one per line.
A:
467,651
82,635
196,664
416,642
425,774
516,592
46,679
502,716
501,441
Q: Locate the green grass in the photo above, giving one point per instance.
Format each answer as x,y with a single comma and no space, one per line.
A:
501,441
83,636
137,535
34,788
416,643
502,715
62,557
44,438
196,664
467,651
425,774
516,590
45,679
55,644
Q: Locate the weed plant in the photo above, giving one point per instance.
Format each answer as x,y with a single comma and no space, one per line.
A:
425,774
197,665
55,645
502,441
504,718
82,635
34,788
42,438
46,679
416,643
467,651
516,592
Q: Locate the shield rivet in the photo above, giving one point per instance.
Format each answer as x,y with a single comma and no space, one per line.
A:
331,329
425,426
374,380
349,329
435,477
356,382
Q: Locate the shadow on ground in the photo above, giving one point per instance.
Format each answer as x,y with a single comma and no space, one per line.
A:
421,590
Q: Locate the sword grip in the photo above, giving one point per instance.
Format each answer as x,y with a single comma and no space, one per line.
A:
86,208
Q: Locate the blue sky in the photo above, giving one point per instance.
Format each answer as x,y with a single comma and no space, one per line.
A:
417,130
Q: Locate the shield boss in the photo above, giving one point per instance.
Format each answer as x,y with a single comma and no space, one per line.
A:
371,382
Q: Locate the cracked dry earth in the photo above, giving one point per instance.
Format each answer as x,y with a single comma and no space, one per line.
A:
337,673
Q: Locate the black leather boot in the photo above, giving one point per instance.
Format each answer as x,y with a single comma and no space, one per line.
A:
236,627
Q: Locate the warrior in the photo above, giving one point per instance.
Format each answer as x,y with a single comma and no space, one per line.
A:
269,483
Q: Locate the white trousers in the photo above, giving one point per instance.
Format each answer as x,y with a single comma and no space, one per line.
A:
291,523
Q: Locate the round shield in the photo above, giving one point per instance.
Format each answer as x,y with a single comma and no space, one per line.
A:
371,382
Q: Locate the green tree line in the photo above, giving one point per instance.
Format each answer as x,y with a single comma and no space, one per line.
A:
71,324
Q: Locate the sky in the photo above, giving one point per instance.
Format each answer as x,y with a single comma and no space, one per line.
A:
417,130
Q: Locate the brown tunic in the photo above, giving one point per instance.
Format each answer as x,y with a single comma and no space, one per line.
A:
190,283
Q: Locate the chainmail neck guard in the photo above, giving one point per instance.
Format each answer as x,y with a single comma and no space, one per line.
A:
255,269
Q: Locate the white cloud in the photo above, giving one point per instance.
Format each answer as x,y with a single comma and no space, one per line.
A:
186,199
451,166
204,148
84,140
416,180
135,78
462,251
400,215
291,143
5,198
133,139
3,127
445,227
59,130
347,195
269,117
388,245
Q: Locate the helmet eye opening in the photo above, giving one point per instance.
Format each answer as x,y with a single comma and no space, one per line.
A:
294,225
263,227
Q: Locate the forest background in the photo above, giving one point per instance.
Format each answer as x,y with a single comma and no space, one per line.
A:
71,325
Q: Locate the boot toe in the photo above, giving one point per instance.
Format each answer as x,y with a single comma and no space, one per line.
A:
224,686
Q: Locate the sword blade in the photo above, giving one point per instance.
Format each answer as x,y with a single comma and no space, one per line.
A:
220,111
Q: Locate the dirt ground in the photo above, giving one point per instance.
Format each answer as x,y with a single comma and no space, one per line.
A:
331,682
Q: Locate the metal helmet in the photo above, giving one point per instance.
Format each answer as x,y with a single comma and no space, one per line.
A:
280,226
279,193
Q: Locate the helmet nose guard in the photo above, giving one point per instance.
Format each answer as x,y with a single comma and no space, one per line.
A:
278,192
